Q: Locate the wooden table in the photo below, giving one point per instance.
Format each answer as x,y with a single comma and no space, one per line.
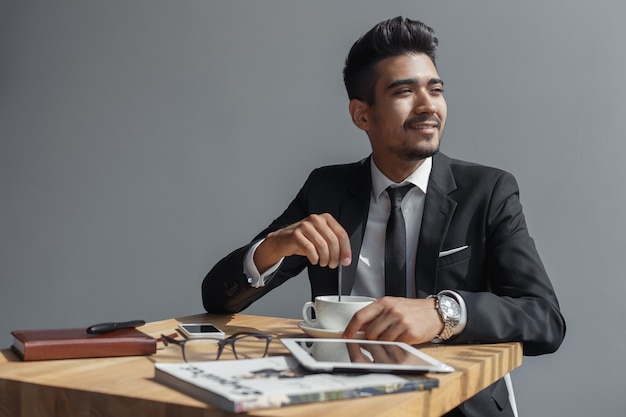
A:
125,386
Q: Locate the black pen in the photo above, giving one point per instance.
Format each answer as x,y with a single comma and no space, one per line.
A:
109,327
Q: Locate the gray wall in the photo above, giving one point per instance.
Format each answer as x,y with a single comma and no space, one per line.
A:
125,128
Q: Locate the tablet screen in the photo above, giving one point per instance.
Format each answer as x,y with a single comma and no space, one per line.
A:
325,351
351,354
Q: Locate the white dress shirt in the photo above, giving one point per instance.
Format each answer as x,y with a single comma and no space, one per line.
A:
370,276
370,270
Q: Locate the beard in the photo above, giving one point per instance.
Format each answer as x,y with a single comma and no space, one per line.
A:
408,150
428,146
416,153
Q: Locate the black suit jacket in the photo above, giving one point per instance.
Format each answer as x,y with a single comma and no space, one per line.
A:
508,294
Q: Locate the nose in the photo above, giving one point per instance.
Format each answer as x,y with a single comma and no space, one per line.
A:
424,103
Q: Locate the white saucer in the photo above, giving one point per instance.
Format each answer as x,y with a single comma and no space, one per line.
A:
315,331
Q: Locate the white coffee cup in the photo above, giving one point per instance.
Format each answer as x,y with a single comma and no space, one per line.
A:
332,314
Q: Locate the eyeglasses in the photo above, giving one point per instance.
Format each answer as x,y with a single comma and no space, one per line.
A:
245,345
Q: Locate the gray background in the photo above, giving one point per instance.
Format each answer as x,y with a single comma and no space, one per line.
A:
126,127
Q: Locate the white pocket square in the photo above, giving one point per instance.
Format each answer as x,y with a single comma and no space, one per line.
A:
451,251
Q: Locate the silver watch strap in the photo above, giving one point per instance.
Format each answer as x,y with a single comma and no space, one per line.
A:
448,326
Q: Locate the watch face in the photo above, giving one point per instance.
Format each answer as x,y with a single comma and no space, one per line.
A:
449,307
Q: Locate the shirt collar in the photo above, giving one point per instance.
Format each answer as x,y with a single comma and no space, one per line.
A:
419,178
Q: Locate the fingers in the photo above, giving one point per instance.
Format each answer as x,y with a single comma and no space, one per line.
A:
320,234
378,320
341,253
396,319
361,319
319,237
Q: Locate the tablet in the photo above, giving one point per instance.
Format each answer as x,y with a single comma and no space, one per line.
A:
352,355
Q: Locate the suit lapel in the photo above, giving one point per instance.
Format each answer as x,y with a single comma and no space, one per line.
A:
353,217
438,211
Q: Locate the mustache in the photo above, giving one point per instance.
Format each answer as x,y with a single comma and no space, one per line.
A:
421,119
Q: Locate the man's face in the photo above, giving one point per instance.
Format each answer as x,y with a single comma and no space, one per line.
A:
407,119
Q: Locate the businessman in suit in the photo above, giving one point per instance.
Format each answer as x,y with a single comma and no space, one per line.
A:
470,272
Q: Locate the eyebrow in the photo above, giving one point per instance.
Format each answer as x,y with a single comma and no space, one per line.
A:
413,81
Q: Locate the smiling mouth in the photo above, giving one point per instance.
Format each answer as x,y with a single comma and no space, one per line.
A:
422,123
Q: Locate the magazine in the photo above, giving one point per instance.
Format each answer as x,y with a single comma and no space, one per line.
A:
277,381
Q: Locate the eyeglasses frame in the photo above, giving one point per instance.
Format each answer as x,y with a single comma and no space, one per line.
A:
222,343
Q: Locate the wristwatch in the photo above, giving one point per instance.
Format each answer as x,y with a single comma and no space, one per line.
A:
450,312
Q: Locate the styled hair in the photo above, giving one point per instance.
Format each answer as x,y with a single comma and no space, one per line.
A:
393,37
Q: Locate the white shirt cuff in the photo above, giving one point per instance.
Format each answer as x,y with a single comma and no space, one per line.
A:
256,279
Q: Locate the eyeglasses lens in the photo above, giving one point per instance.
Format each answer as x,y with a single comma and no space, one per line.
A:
250,347
245,347
198,350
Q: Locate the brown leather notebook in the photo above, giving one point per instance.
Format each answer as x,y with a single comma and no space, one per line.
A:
34,345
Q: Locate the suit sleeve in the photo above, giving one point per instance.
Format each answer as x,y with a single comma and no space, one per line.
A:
225,288
521,304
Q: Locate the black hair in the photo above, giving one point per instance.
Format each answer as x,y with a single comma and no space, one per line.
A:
393,37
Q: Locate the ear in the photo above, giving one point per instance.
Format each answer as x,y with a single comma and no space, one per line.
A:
359,111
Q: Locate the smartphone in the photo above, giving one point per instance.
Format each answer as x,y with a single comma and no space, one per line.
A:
201,330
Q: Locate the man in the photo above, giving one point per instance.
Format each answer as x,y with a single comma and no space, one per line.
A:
471,272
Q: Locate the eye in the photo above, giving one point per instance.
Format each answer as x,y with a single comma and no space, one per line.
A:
403,91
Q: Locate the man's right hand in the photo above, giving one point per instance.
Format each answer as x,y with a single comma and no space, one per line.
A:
319,237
